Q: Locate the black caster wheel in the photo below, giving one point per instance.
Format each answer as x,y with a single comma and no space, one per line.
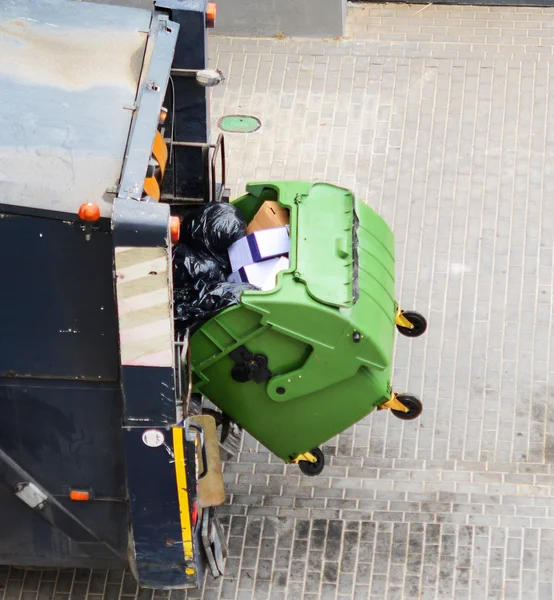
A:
313,469
413,405
418,321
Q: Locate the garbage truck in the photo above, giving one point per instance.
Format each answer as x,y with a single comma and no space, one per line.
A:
104,128
110,453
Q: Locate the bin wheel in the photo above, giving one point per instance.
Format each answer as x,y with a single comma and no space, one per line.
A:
313,469
413,405
417,320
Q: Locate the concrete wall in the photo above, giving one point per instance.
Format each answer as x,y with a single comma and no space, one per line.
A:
268,18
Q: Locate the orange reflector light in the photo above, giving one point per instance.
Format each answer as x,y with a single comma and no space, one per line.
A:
211,12
163,115
79,495
89,212
174,229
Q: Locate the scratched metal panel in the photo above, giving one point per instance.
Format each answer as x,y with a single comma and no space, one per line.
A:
29,540
73,439
57,305
67,74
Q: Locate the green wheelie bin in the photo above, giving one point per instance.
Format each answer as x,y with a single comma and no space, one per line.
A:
298,364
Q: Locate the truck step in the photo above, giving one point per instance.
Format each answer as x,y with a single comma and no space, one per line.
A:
211,490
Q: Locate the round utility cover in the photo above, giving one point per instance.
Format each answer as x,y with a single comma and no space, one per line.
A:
153,438
239,124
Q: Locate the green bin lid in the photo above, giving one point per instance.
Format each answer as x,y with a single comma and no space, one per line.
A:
325,253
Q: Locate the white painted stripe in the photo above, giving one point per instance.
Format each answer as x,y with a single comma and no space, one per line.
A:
148,316
156,351
156,265
128,305
145,285
145,332
144,306
164,358
145,353
134,256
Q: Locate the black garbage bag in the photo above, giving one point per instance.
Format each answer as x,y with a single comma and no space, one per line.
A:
185,307
190,265
197,303
213,228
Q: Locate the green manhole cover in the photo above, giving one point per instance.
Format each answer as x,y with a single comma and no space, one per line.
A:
239,124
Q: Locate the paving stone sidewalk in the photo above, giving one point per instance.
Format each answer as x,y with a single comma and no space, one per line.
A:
441,117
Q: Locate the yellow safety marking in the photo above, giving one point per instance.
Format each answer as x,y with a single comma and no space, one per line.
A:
182,492
402,321
394,404
307,456
152,187
159,151
144,306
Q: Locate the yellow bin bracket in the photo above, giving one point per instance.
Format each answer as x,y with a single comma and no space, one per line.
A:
401,320
394,404
307,456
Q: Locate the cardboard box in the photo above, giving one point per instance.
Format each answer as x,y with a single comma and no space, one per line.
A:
271,214
262,274
258,246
